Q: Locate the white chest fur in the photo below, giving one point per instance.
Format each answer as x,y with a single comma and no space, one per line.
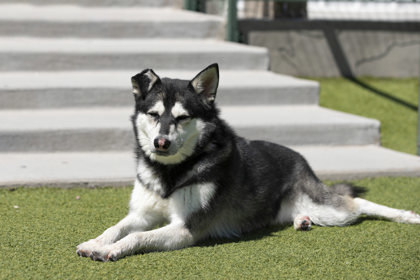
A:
148,178
190,199
178,207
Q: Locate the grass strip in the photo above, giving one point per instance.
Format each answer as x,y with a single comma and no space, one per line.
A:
39,229
391,101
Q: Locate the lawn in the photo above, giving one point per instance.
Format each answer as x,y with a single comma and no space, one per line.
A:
39,229
392,101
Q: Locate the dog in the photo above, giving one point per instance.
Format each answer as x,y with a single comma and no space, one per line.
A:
200,180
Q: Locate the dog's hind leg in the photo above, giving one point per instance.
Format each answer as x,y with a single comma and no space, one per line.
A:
327,214
348,213
369,208
336,206
302,211
328,207
302,222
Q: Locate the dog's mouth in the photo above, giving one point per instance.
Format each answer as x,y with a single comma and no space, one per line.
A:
162,153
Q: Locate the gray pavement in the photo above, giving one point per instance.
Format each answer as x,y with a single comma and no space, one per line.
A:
54,54
63,89
118,168
109,22
102,128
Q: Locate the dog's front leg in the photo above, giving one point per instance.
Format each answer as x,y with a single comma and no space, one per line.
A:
170,237
127,225
146,211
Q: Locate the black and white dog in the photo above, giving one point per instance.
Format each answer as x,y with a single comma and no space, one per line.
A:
199,179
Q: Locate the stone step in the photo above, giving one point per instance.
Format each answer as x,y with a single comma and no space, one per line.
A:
118,168
35,90
96,3
46,54
106,22
109,129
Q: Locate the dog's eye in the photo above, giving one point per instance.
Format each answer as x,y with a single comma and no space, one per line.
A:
182,118
153,115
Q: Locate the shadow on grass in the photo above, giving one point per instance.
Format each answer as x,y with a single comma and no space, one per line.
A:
257,234
382,93
269,231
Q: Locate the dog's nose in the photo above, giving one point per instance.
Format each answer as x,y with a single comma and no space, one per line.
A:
162,143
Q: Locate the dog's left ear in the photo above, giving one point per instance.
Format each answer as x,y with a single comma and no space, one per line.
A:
143,82
206,82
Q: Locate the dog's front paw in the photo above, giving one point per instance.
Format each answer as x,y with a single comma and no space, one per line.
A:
106,253
85,249
98,252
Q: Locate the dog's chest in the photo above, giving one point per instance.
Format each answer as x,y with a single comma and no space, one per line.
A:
182,202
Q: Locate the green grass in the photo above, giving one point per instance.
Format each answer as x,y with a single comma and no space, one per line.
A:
398,120
39,229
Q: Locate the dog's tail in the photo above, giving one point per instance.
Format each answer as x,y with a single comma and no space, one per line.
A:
347,189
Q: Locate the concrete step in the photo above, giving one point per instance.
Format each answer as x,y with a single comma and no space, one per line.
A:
45,54
118,168
96,3
106,22
107,129
352,162
35,90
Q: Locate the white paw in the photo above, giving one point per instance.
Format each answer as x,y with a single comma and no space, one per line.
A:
409,217
302,222
86,248
98,252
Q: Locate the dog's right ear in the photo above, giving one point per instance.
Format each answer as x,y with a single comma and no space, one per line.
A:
143,82
206,82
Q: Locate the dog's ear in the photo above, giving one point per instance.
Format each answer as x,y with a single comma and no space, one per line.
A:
206,82
143,82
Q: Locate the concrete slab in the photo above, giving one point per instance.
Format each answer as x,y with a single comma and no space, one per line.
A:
103,22
67,169
152,3
92,144
118,168
367,52
28,90
110,128
302,125
102,54
352,162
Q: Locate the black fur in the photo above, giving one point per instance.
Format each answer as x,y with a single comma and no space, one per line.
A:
348,189
252,177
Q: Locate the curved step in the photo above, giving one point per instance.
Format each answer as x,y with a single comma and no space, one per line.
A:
44,54
35,90
153,3
105,129
118,168
106,22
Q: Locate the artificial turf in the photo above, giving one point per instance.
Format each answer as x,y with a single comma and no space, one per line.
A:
39,229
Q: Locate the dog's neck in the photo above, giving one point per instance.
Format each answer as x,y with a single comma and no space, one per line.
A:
192,170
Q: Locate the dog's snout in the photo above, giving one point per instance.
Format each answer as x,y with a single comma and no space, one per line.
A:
162,143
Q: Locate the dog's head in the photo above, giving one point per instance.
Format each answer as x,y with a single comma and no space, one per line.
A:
171,115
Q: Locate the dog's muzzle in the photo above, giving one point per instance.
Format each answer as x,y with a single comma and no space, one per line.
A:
162,144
